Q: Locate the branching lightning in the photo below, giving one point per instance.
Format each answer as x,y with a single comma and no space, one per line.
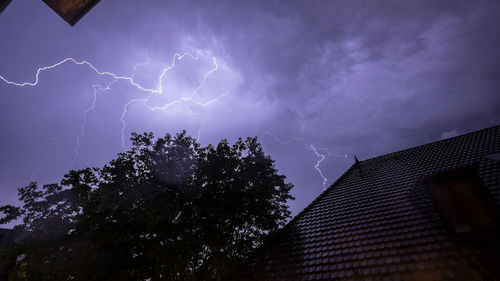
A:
149,92
95,87
321,157
320,153
159,91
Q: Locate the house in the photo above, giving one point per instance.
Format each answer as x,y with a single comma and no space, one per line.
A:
426,213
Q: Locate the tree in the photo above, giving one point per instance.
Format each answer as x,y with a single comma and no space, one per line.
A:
165,209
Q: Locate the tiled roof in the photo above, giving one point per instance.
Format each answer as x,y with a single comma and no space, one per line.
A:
376,222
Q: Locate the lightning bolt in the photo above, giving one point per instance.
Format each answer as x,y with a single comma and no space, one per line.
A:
95,87
320,153
149,92
321,157
159,90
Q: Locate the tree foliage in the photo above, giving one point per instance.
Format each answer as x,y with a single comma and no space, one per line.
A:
166,209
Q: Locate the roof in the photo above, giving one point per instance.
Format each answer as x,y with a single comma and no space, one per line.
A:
376,222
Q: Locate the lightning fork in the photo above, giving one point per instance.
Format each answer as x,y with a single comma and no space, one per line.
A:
321,157
130,79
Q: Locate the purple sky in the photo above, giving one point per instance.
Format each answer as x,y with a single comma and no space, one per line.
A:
311,79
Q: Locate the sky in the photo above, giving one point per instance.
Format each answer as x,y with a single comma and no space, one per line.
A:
316,81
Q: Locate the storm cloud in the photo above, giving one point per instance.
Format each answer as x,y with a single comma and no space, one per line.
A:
309,78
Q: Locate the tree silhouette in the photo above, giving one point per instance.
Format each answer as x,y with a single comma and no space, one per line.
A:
165,209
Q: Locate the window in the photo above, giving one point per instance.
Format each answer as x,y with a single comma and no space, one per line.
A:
462,206
462,200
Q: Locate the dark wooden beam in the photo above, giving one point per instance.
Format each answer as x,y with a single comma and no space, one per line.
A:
71,10
3,4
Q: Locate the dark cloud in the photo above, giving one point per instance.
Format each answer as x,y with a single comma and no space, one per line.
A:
350,77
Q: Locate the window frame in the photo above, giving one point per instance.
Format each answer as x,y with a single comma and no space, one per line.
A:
468,175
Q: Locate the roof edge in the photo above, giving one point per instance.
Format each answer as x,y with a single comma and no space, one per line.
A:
296,217
321,195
